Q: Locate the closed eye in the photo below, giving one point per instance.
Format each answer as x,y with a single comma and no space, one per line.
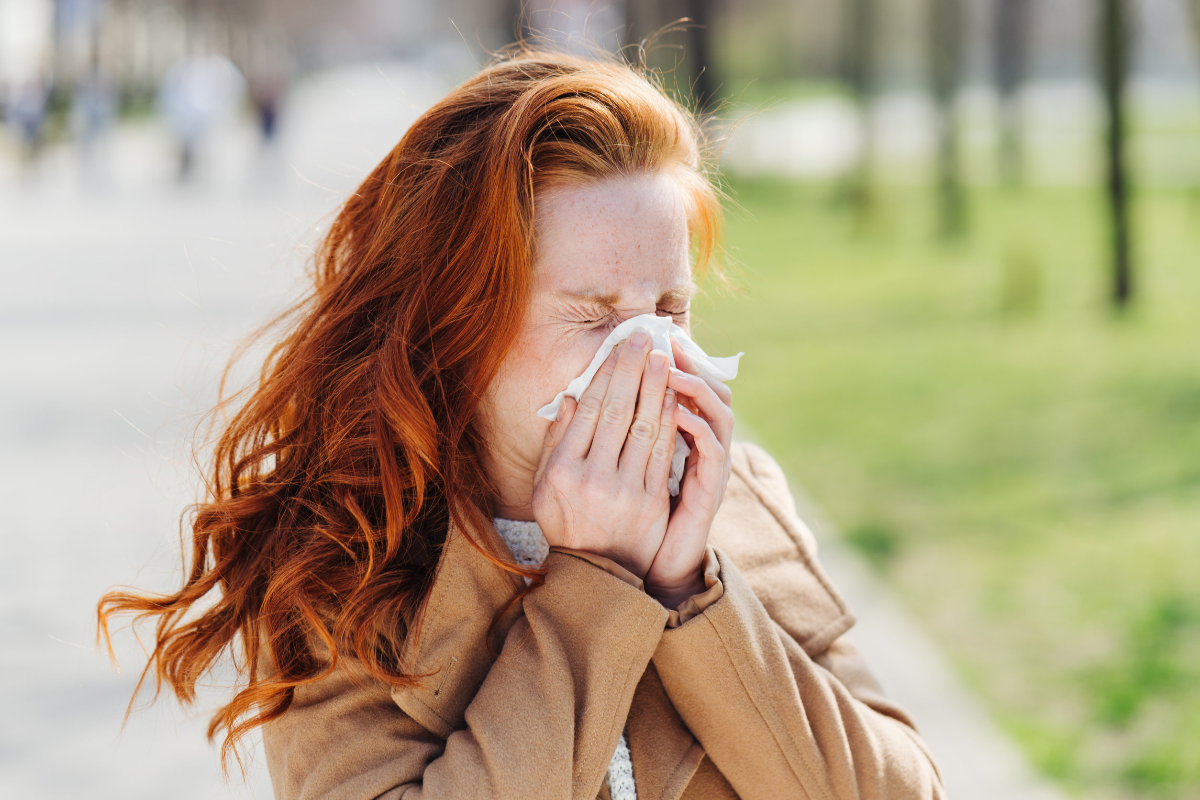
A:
613,320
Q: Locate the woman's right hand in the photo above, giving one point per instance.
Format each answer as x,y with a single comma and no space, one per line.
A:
601,485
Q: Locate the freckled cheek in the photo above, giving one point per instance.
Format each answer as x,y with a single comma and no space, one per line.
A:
545,367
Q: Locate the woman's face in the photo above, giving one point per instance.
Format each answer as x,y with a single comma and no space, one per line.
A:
605,252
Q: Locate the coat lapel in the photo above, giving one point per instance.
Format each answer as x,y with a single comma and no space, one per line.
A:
450,651
665,755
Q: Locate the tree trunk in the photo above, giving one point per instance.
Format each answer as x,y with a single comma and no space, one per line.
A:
634,29
861,52
1195,9
703,86
514,20
643,20
1011,40
946,54
1114,59
679,51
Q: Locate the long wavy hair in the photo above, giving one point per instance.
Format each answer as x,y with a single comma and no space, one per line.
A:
335,477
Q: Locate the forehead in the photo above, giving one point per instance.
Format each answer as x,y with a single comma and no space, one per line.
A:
619,236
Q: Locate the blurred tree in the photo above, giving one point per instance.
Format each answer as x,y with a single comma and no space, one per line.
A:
945,71
1010,26
860,67
516,15
680,36
642,19
1194,7
1114,69
698,54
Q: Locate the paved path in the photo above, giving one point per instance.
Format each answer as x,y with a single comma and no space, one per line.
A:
122,297
977,761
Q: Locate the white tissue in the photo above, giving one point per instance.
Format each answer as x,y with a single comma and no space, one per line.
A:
661,331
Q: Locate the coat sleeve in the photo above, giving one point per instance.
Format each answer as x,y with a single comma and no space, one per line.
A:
779,721
543,723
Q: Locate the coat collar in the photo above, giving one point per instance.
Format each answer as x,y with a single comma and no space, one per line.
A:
754,527
450,652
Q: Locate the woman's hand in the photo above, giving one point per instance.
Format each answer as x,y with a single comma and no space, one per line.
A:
705,416
601,485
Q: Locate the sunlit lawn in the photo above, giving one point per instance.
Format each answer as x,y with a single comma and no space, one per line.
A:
1023,465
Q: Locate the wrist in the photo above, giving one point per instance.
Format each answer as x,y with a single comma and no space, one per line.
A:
626,560
673,596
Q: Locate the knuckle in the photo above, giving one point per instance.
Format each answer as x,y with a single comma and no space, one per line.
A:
630,362
589,407
642,430
663,450
614,412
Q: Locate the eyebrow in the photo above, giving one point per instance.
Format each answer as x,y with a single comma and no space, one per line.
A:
680,294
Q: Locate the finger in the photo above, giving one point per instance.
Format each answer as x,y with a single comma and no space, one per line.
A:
577,438
706,442
706,401
644,430
619,402
685,363
554,435
658,469
682,360
710,461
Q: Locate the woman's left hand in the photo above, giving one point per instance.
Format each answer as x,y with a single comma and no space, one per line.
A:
705,416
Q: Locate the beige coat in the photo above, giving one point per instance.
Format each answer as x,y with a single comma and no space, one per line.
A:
758,696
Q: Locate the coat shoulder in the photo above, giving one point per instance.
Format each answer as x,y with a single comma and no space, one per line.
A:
758,528
758,493
763,467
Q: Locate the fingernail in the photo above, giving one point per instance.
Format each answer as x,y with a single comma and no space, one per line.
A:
638,341
658,360
669,399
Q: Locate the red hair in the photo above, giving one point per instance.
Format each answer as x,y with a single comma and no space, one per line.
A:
332,486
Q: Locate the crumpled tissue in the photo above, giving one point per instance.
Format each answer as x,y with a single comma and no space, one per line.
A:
661,331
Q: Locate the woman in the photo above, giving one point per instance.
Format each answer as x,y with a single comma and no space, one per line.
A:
384,494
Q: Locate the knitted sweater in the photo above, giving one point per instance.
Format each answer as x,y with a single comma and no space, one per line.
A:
530,548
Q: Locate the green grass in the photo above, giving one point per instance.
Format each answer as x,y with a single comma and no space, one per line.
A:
1019,461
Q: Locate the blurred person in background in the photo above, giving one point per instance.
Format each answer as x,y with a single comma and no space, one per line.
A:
267,88
431,590
196,93
27,115
93,110
268,77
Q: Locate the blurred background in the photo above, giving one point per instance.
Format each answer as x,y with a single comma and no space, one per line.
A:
965,236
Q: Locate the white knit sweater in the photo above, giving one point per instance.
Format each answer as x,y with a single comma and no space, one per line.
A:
530,548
